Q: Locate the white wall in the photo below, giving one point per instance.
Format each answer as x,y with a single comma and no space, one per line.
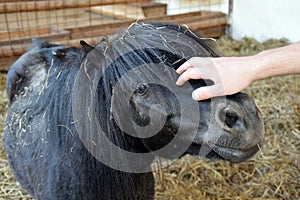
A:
264,19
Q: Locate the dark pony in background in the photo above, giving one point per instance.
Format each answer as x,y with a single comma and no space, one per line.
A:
86,123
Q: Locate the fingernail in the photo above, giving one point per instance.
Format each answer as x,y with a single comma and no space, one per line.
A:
195,96
179,82
178,70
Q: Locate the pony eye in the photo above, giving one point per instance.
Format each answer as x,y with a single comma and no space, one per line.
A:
141,88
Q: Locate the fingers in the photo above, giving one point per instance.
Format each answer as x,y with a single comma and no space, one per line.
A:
195,62
184,67
191,73
200,68
195,68
207,92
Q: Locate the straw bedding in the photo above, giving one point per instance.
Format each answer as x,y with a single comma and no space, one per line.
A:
274,173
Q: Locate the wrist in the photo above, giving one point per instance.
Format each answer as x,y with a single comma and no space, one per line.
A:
259,63
245,68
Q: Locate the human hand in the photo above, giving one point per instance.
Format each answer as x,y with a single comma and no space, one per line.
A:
229,74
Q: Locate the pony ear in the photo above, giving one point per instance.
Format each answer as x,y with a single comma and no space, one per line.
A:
87,48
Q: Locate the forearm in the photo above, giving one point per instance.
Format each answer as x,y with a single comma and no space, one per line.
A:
280,61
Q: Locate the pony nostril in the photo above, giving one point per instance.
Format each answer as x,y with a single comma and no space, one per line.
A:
231,119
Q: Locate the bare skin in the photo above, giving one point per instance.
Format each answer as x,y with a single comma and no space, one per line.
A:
233,74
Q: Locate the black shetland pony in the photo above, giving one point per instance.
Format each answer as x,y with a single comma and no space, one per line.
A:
86,123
